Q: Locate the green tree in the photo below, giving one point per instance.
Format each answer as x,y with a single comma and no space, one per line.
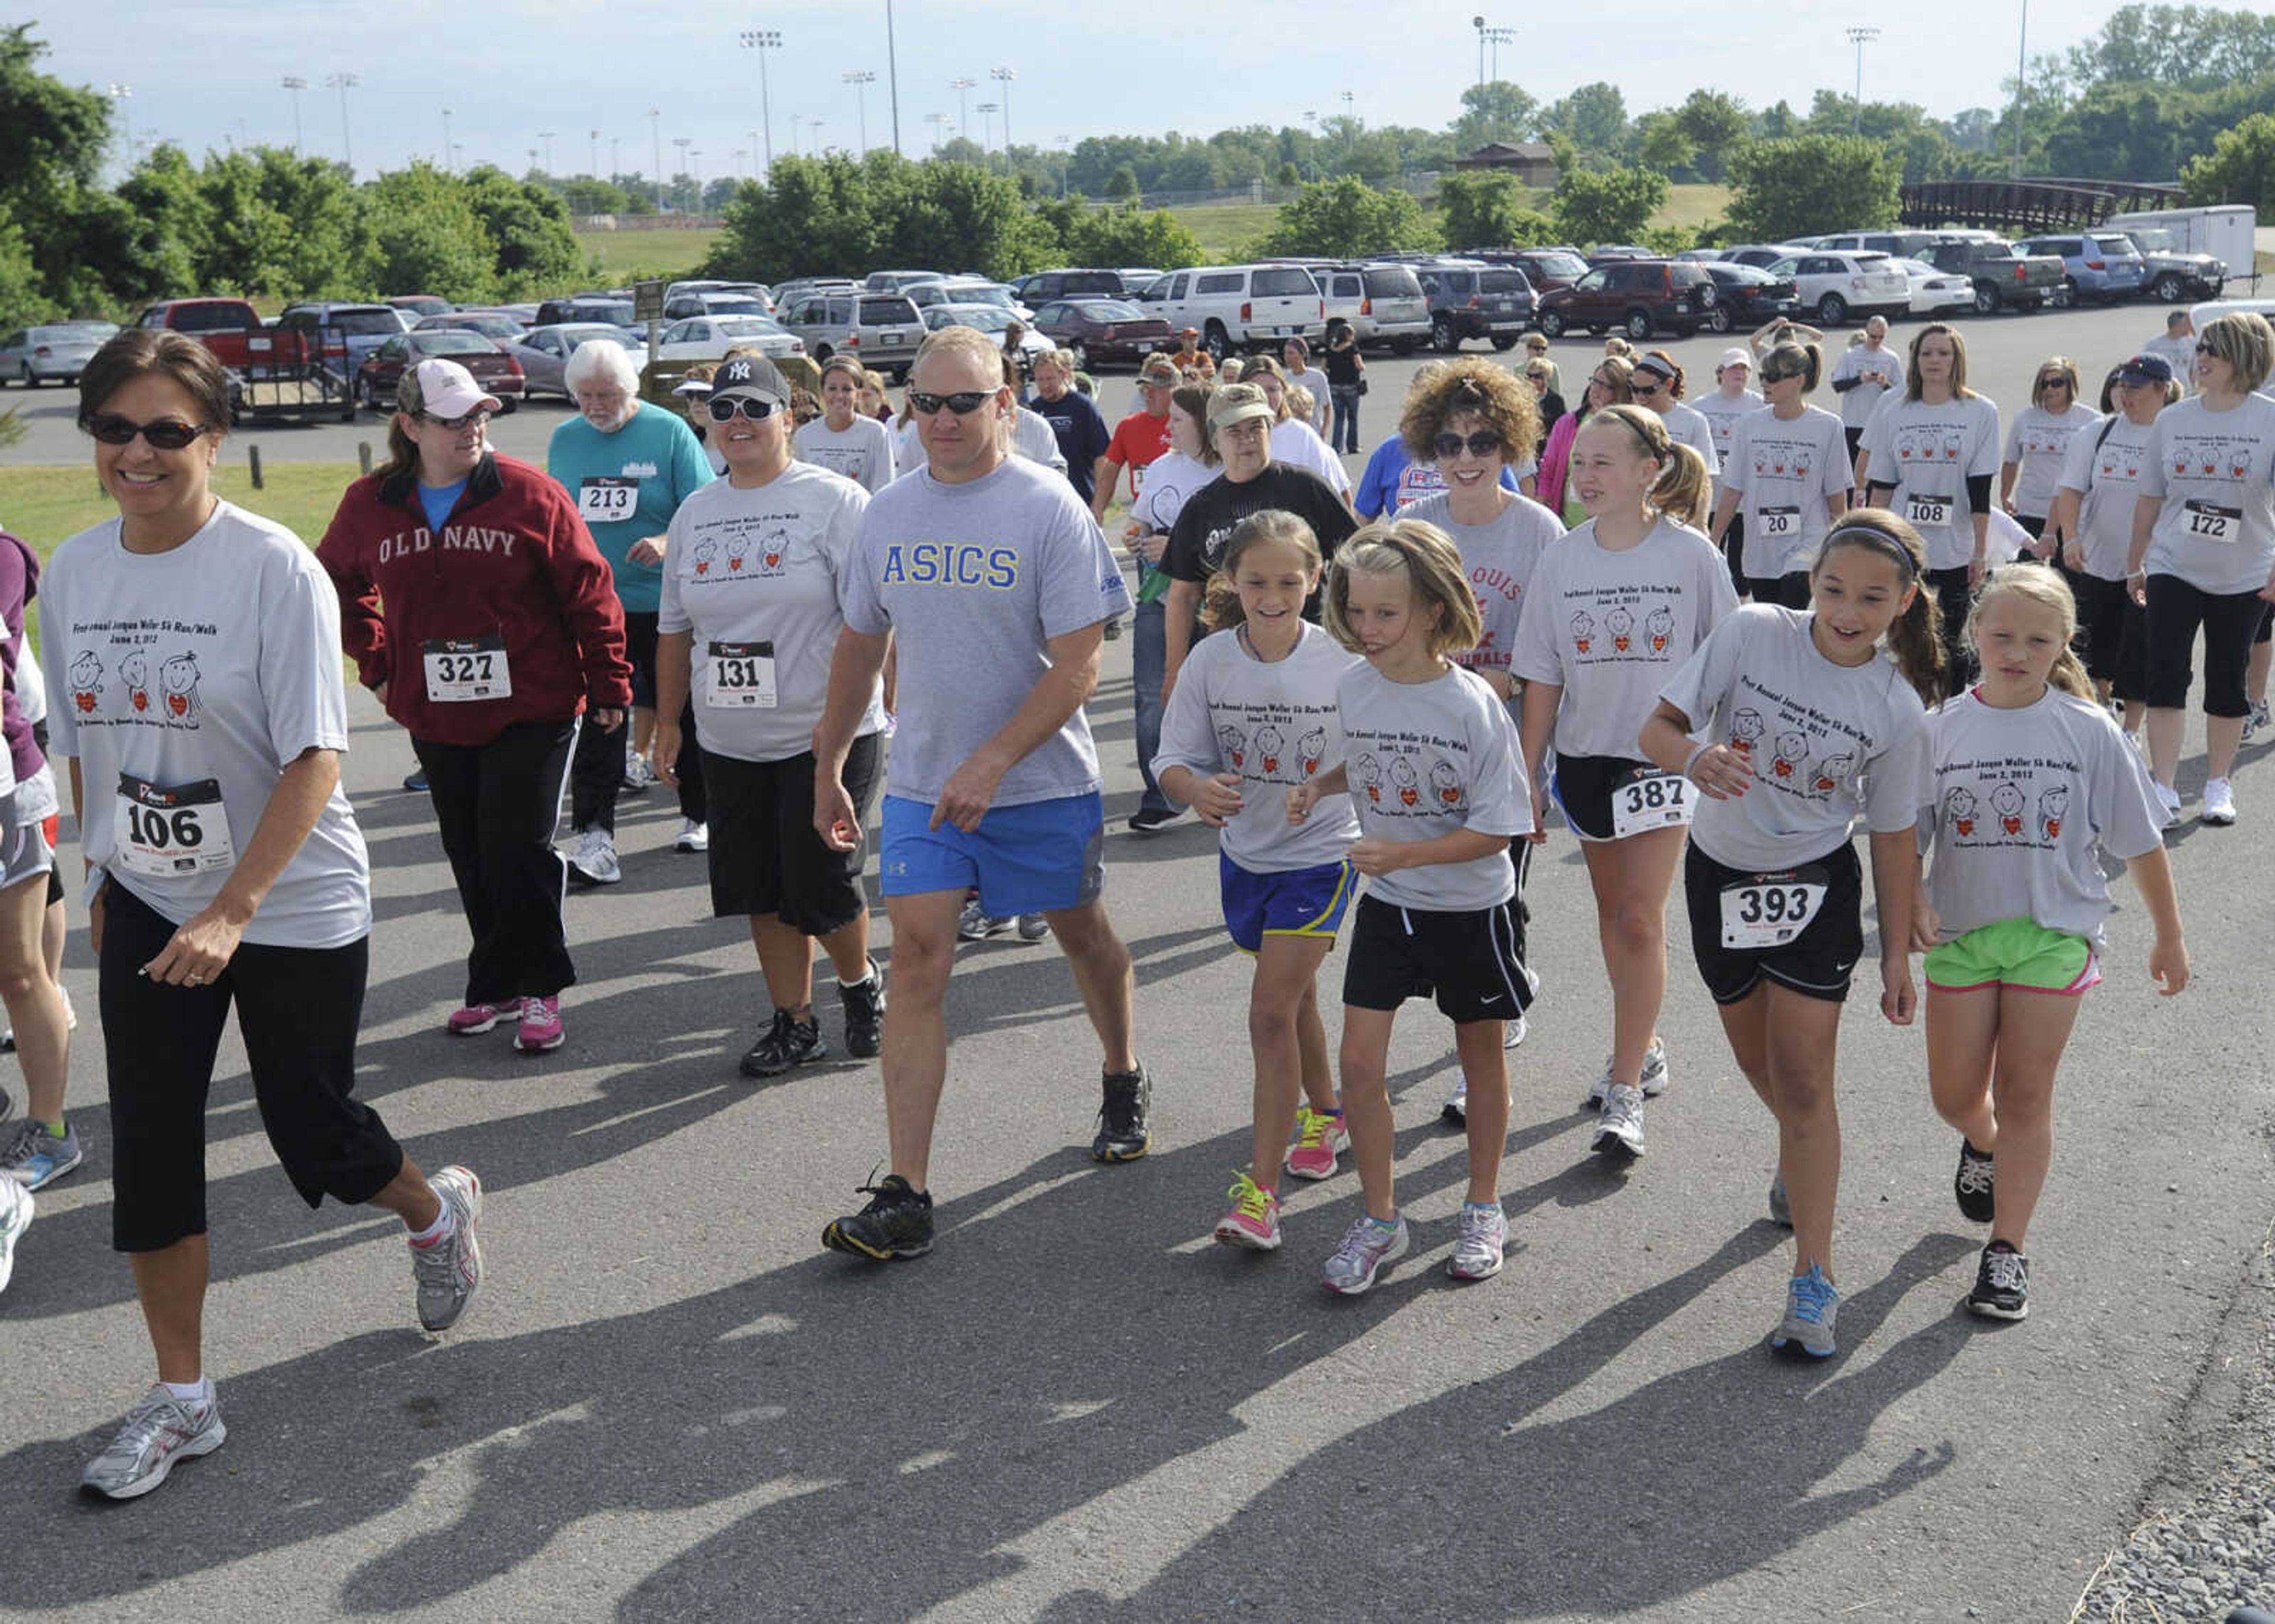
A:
531,245
1595,117
1123,184
2239,167
1495,111
2196,47
1812,183
1346,218
1485,208
1612,206
1660,143
1129,236
1714,123
426,236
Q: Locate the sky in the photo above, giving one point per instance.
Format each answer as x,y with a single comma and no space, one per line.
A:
207,74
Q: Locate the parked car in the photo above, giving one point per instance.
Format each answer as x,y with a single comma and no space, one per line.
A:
418,304
708,338
344,334
1548,269
1099,330
497,372
1761,256
2001,273
758,291
881,330
1896,244
992,319
1746,298
1384,303
1840,286
718,302
1237,306
1605,253
1935,292
2176,270
1039,288
489,323
230,328
57,350
1638,296
614,309
542,353
966,291
273,371
894,281
1470,299
2101,266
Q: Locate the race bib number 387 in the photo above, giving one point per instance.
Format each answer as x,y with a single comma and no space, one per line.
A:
1768,911
1649,801
171,833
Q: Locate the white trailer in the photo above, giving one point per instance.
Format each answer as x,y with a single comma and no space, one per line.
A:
2227,232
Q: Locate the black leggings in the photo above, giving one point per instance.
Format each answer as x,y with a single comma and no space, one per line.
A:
497,805
297,1010
1789,590
1954,597
599,768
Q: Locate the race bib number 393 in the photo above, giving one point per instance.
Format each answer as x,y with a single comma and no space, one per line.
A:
171,833
1768,911
1653,801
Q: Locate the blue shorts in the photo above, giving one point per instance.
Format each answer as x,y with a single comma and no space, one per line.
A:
1300,902
1036,859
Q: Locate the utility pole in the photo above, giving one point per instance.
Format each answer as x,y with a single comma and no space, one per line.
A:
860,80
655,136
593,159
1497,38
986,132
762,40
939,121
446,140
2022,83
121,94
343,83
295,85
547,137
680,142
893,72
1860,38
1478,23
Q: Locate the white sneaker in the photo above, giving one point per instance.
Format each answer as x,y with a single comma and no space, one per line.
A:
1654,1076
1619,1131
595,862
2219,802
16,1207
1456,1108
1513,1032
2169,800
693,836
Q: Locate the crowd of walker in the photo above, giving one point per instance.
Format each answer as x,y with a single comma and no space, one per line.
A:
824,637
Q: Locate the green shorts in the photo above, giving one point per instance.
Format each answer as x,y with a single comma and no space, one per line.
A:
2016,953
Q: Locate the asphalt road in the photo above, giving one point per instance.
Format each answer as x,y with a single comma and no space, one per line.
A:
669,1403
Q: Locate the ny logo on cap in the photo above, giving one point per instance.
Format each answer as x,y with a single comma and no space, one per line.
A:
736,372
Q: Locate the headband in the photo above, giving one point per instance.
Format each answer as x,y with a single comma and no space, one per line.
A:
1879,541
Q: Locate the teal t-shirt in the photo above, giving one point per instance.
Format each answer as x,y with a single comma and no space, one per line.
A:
438,500
628,485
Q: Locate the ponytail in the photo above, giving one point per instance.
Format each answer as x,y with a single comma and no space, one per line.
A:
1221,605
1683,492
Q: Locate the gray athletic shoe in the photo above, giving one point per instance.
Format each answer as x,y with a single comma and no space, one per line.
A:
449,1272
1619,1131
159,1431
1654,1076
1810,1303
1483,1241
1367,1246
1781,1209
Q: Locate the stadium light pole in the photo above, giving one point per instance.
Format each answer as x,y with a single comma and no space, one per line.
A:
592,158
545,136
121,94
961,87
1004,77
1860,38
446,140
295,85
1478,23
343,83
1497,38
893,76
861,79
655,135
2022,83
762,40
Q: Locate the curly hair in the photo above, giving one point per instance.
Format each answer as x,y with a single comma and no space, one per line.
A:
1471,386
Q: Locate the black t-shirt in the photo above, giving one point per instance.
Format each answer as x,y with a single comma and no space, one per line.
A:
1343,368
1081,433
1196,542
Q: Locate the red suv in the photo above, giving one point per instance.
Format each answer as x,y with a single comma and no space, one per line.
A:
1640,295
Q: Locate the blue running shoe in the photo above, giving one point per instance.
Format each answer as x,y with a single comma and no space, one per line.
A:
1810,1303
35,1157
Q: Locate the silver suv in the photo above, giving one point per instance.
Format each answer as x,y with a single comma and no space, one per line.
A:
1384,303
881,330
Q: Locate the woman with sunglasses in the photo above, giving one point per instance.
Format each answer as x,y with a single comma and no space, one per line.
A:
1786,477
1607,385
481,614
1659,382
746,633
194,652
2031,472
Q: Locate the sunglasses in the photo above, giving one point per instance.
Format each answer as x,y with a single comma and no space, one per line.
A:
1639,387
165,434
1485,442
724,410
475,419
1779,375
963,403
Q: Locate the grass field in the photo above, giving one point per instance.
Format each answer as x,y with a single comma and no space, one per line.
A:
49,505
626,254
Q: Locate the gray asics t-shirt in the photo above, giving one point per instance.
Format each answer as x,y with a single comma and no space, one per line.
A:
974,581
1784,472
1610,628
862,450
1273,723
1827,741
2215,473
1500,558
1928,453
2022,803
1427,758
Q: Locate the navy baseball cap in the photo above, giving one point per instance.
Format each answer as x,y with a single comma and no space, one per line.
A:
2145,369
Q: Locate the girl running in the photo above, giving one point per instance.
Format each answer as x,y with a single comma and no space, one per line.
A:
1615,608
1788,471
1438,800
1803,723
1254,717
2032,782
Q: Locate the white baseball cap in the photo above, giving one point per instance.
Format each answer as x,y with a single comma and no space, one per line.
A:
447,389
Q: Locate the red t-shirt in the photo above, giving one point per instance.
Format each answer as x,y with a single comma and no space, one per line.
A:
1138,439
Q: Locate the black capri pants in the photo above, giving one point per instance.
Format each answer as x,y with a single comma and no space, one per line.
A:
298,1008
2230,622
495,806
598,769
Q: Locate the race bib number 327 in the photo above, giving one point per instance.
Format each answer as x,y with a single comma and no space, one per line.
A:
460,670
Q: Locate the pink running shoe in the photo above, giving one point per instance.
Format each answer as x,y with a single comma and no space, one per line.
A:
539,1029
1254,1221
475,1019
1318,1136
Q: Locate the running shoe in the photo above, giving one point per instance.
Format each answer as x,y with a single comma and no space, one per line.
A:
1514,1030
476,1019
448,1272
788,1042
2256,720
1367,1246
8,1037
896,1223
1654,1076
1034,928
1972,1185
638,775
1780,1208
865,1014
416,782
538,1031
1484,1238
1619,1131
1456,1108
1153,820
2219,802
693,836
15,1209
35,1157
2002,1284
1125,1126
595,862
159,1431
2169,800
1810,1303
1319,1135
1254,1221
978,925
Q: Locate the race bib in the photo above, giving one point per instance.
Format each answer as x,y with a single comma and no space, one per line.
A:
1721,459
742,677
607,502
1774,522
1927,512
1768,911
171,833
1654,800
2209,521
459,669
